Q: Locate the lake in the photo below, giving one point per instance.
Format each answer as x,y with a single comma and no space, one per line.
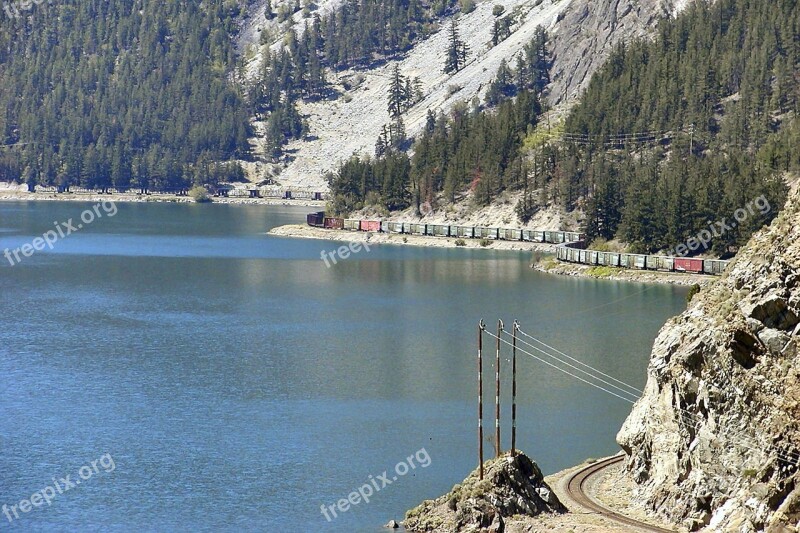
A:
237,383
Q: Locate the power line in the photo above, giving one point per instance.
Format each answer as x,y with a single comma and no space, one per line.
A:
684,415
631,387
562,370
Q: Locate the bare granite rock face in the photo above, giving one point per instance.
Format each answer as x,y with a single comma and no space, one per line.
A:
512,485
715,440
587,32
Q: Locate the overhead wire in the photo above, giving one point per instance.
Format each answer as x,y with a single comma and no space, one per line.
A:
632,394
686,415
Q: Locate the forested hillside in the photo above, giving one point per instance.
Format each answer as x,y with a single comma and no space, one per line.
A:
122,93
722,82
672,134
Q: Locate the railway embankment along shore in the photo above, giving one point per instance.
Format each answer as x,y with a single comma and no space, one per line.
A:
569,247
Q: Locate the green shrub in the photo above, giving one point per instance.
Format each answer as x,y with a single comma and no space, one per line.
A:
461,242
600,271
199,194
485,242
694,290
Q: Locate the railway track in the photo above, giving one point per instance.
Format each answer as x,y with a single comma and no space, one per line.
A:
576,485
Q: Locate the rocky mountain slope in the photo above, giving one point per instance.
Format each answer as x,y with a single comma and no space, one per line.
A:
715,440
589,29
583,31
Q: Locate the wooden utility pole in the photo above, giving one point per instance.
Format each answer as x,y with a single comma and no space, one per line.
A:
481,327
497,390
514,390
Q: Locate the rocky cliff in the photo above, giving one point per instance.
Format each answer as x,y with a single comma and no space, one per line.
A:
588,30
715,440
512,486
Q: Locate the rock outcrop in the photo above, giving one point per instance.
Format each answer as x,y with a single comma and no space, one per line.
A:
512,485
715,440
587,32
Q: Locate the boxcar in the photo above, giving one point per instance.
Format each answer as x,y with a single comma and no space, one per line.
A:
639,261
486,233
714,266
392,227
351,224
334,223
511,234
316,219
465,231
665,263
689,265
370,225
613,259
417,229
440,230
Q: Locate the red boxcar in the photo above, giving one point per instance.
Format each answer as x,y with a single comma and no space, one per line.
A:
370,225
334,223
689,265
316,219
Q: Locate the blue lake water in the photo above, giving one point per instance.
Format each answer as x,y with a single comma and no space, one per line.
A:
239,384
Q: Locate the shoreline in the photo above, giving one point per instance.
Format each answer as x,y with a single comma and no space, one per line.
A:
302,231
558,268
10,195
547,266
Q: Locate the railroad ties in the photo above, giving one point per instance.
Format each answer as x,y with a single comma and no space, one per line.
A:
570,246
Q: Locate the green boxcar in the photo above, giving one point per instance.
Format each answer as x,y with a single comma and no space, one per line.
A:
467,232
486,233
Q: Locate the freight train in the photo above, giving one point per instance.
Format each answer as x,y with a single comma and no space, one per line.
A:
574,254
571,249
319,220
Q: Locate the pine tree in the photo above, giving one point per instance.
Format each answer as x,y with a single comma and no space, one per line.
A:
398,93
456,56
